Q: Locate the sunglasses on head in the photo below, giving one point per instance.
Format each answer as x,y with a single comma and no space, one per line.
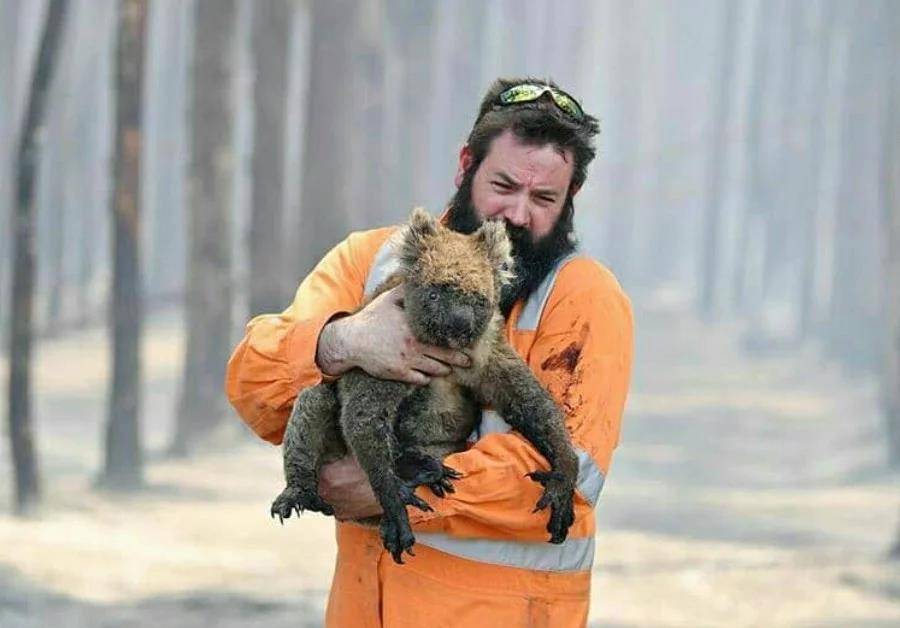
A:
529,92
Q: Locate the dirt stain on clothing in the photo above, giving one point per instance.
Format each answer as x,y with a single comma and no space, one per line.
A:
566,359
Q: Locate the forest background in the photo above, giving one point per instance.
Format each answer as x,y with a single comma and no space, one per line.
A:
170,168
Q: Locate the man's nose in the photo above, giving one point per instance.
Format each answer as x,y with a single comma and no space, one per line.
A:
517,212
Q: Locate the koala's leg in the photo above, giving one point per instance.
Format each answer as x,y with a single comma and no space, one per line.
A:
511,388
417,468
312,431
367,421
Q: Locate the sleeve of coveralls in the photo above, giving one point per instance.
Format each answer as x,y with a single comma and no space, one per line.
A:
277,356
582,354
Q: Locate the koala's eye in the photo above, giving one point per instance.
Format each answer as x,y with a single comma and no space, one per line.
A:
433,295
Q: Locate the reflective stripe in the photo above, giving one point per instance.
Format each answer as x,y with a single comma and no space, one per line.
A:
590,477
571,555
385,263
534,307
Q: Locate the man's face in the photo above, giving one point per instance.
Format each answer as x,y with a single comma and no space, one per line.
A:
525,185
528,187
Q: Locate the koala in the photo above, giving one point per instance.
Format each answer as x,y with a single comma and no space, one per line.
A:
399,432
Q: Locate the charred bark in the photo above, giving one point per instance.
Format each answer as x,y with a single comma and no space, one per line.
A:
25,466
208,293
271,38
123,461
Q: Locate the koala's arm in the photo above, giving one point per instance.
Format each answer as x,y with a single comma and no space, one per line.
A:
277,356
582,355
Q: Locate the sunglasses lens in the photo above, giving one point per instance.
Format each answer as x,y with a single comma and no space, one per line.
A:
568,105
528,92
521,93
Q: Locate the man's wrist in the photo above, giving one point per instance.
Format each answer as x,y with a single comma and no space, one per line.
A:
333,352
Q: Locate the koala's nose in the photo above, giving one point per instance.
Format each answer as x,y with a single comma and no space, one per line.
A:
461,320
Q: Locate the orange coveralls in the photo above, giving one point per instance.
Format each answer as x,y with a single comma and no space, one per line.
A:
482,557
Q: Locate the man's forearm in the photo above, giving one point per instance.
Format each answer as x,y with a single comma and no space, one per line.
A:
333,354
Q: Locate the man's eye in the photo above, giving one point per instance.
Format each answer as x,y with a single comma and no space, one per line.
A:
502,186
546,199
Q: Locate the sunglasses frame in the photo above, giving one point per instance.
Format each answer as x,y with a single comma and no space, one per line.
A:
563,101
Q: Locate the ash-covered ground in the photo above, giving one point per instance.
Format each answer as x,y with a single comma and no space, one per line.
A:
745,492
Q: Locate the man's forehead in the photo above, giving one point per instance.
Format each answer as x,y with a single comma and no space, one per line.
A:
529,163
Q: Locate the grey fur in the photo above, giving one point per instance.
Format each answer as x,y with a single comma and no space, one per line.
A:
399,433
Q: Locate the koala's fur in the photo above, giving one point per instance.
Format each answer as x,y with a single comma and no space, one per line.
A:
399,432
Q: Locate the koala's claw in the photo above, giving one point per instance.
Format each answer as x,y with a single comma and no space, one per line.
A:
419,469
298,500
397,536
408,497
559,497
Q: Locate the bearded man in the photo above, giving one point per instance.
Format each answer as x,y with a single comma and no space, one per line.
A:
482,557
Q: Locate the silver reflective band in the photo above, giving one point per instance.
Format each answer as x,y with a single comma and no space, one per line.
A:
384,264
572,555
534,307
590,477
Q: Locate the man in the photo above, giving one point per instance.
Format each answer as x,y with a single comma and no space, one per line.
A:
482,556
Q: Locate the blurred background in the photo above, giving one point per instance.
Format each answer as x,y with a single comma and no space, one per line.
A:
170,168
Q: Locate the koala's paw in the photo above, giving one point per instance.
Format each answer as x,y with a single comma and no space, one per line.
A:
558,494
443,485
295,499
418,469
397,536
409,498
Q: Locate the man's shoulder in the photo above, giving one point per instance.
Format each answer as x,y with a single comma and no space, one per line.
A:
363,246
370,238
582,274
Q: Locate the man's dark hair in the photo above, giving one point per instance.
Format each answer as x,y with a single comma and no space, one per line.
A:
536,123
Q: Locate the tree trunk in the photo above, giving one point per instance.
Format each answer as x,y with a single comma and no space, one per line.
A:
208,291
891,199
853,314
272,25
25,471
823,74
8,43
753,161
123,464
325,200
410,27
718,159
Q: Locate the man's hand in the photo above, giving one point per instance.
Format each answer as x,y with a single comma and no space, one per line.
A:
378,340
344,485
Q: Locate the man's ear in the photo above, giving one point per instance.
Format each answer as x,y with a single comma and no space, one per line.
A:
465,162
575,189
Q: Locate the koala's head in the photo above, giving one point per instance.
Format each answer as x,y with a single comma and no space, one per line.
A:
452,281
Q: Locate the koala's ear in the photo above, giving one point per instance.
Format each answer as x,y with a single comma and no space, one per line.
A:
491,237
421,226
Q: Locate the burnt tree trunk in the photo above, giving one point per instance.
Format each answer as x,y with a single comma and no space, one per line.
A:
271,37
325,205
891,199
718,159
208,287
25,471
822,72
123,463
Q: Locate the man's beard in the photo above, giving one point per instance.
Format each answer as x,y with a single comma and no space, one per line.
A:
533,260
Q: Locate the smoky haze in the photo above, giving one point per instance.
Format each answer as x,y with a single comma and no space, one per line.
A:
195,159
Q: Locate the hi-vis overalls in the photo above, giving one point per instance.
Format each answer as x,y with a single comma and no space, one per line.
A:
482,557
